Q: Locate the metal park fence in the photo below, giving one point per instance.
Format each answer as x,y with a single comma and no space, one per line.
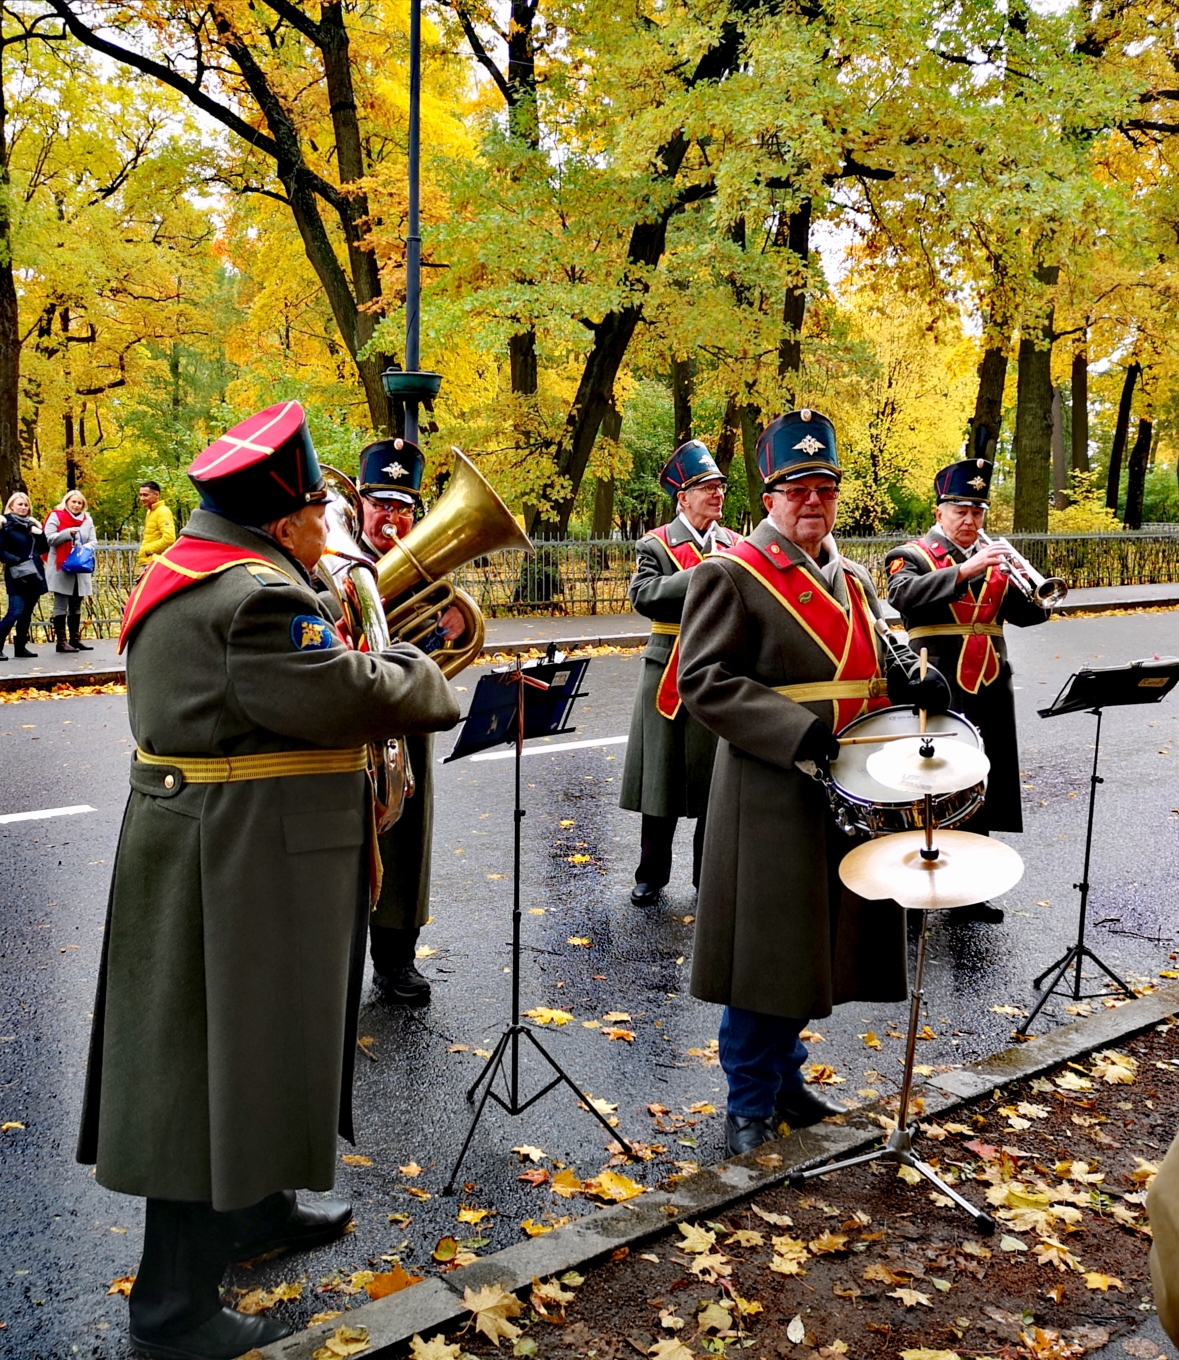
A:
590,576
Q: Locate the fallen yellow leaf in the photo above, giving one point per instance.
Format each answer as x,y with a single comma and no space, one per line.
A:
528,1153
566,1183
391,1282
613,1187
468,1214
355,1159
579,939
122,1285
437,1348
492,1306
344,1341
1094,1279
410,1169
547,1015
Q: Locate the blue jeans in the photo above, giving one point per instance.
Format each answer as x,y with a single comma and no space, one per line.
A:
760,1055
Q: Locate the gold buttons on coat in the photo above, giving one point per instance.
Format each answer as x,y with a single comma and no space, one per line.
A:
169,781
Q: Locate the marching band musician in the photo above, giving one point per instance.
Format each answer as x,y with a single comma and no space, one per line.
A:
225,1022
778,653
390,486
669,754
954,598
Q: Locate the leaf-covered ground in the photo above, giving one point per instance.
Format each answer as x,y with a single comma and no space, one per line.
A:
862,1263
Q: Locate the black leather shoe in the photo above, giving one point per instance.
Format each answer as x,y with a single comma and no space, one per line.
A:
80,646
303,1226
977,911
404,986
800,1109
25,654
223,1337
644,895
743,1134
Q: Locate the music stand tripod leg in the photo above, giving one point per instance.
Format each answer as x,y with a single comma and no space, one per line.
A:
495,1062
983,1221
578,1092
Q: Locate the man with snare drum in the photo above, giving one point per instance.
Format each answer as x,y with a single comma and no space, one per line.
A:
778,653
954,598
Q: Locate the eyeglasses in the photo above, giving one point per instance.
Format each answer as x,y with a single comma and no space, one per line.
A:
799,495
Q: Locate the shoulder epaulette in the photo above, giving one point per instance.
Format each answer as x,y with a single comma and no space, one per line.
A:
271,576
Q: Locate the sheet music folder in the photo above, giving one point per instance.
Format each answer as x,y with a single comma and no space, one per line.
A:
1137,682
491,719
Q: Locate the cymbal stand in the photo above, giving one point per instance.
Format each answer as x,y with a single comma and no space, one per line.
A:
509,1041
899,1145
1077,953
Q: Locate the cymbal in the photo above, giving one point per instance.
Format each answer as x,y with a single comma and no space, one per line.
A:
969,868
952,767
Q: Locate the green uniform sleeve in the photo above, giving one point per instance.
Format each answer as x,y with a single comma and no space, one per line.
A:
329,695
915,586
653,593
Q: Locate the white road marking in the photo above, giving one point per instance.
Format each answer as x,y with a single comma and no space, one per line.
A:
47,812
556,746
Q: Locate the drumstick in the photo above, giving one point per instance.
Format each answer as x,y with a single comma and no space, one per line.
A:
892,736
924,671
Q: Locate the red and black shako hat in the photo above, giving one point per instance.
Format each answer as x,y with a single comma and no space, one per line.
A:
798,444
391,470
688,466
262,469
965,483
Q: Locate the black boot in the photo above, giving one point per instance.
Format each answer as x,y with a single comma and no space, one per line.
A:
743,1134
175,1303
394,972
281,1223
76,634
20,636
59,632
804,1107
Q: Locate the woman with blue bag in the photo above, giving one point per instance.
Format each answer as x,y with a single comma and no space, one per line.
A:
69,531
21,545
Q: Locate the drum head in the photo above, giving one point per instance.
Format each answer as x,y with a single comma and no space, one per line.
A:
850,770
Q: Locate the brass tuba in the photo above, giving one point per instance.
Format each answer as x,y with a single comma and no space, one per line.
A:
468,521
352,579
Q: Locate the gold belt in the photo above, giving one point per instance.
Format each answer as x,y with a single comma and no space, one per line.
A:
666,629
957,630
875,688
265,765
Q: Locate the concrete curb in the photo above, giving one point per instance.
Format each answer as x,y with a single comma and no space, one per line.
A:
1164,601
75,679
564,644
437,1301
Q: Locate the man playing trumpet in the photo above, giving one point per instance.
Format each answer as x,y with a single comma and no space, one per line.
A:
954,596
390,485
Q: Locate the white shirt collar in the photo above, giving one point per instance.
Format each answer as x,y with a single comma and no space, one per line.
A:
704,541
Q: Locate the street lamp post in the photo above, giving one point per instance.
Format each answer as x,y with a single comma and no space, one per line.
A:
413,385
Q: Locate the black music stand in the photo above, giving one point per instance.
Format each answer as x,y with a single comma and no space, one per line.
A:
1091,691
531,699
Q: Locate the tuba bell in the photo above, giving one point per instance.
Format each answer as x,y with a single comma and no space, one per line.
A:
468,521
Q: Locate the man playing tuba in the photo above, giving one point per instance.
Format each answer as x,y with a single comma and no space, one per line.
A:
390,484
954,598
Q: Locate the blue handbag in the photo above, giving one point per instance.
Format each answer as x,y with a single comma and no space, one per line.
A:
81,557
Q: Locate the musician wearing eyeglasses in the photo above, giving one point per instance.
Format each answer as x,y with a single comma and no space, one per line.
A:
390,486
954,597
669,754
778,653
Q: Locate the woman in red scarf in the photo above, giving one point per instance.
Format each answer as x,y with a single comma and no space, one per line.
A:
64,527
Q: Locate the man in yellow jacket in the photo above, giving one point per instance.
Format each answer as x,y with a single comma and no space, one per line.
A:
159,528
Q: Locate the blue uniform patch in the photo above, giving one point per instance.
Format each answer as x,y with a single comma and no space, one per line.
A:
310,633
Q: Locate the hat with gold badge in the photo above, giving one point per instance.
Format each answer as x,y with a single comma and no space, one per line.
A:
689,466
262,469
799,444
391,470
965,483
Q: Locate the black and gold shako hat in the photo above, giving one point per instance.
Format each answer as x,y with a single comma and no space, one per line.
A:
965,483
798,444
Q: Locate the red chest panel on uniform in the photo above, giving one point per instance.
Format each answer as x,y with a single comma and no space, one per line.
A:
186,563
978,661
848,639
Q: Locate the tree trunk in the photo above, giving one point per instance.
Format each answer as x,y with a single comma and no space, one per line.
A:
1136,483
1033,420
726,443
683,371
522,362
988,404
603,524
750,422
1080,431
797,238
10,473
1113,484
1060,499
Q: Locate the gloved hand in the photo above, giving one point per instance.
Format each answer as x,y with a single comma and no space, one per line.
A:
905,685
818,744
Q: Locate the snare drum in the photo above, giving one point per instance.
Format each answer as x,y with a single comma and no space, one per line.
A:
864,807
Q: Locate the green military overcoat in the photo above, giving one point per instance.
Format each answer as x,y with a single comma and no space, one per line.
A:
668,766
922,595
776,931
220,1064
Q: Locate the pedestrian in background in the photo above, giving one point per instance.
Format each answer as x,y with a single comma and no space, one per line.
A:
72,540
21,544
159,528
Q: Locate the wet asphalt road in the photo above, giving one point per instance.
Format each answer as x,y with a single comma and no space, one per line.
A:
65,1238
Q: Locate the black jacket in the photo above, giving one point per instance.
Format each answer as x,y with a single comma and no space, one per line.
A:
20,543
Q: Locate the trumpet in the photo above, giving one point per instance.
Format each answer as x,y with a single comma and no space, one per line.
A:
352,580
1046,591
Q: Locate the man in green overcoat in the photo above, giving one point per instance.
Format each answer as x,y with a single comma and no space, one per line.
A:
390,486
224,1026
779,652
669,754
